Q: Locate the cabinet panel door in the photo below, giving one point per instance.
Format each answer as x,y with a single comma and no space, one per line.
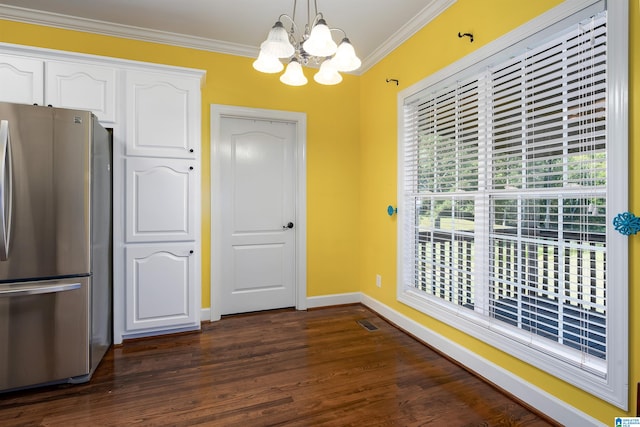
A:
162,115
160,199
21,80
83,87
160,286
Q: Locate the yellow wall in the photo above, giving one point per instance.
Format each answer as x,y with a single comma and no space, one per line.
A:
352,140
332,140
434,47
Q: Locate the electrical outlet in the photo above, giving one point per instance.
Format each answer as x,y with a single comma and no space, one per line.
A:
378,280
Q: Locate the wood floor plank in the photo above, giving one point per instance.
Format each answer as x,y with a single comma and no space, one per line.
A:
281,368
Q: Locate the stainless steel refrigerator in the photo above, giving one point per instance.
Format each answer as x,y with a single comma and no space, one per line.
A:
55,245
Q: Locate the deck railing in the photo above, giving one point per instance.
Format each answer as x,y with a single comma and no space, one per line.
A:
548,283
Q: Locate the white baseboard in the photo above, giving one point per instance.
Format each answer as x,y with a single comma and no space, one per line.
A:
312,302
159,332
335,299
539,399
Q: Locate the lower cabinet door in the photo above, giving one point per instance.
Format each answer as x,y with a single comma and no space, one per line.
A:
160,286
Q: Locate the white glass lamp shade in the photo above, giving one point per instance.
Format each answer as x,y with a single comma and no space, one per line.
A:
293,75
277,43
320,42
345,58
328,75
267,63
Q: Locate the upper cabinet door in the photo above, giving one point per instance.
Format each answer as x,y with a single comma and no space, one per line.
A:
21,80
83,87
162,115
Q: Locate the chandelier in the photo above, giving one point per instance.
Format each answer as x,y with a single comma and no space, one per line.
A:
313,47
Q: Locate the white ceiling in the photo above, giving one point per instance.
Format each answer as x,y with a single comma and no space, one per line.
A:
375,27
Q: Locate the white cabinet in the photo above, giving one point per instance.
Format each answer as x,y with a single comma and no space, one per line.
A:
160,286
160,199
154,113
61,84
82,87
21,80
162,114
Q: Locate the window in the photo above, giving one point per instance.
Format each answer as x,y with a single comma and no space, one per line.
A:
507,199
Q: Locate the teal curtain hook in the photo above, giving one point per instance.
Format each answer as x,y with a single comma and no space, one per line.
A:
391,210
626,223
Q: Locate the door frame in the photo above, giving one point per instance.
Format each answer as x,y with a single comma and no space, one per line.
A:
218,112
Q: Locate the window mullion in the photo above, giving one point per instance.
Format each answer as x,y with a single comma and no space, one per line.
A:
520,259
565,179
482,202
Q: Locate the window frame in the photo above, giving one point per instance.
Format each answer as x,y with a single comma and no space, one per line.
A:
613,386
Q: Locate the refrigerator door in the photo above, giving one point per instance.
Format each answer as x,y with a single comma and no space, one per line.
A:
49,168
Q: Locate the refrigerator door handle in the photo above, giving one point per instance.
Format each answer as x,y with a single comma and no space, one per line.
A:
17,290
6,190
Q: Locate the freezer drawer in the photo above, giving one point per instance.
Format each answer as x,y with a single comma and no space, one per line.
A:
46,330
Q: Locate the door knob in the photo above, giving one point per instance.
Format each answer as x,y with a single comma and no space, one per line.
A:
289,225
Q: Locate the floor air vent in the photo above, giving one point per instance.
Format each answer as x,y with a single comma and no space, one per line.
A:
367,325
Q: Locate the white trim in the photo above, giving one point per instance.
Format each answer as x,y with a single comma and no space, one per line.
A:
57,20
426,15
617,195
501,44
334,299
159,332
539,399
67,22
219,111
613,388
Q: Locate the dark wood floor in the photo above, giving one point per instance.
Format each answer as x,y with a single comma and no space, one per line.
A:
316,368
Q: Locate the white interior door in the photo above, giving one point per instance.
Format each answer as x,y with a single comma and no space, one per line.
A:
257,161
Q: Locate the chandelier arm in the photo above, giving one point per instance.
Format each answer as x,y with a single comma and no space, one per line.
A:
318,17
294,26
344,33
284,15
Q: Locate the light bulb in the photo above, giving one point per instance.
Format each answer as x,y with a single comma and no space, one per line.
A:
328,75
277,43
293,75
320,42
267,63
345,58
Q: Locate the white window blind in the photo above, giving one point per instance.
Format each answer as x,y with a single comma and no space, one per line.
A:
547,192
504,197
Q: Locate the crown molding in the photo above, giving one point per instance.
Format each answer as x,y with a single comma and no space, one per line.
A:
426,15
49,19
68,22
